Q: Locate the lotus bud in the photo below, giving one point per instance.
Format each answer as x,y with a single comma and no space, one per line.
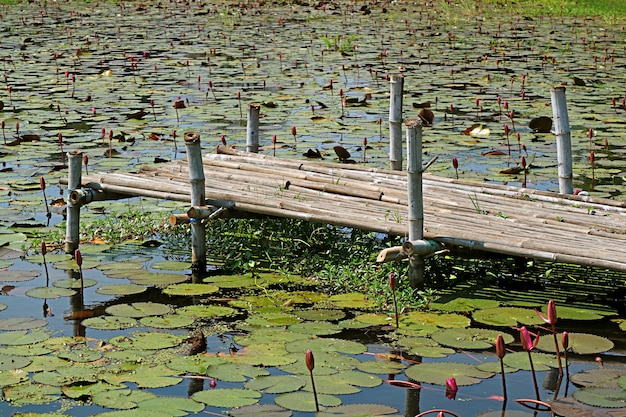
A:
310,361
500,346
455,162
78,257
212,384
565,340
111,134
42,183
44,248
293,132
274,139
506,129
451,388
392,281
527,342
60,137
86,159
592,157
524,165
223,140
590,134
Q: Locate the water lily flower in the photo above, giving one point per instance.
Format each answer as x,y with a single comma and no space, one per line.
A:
552,317
451,388
527,343
500,347
392,281
310,360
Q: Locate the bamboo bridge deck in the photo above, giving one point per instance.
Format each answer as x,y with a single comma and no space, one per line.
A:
458,214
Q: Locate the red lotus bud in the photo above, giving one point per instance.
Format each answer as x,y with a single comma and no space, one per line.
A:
523,162
455,162
44,249
506,129
590,133
565,340
551,320
42,183
341,92
60,137
392,281
527,342
293,131
310,361
86,159
451,388
592,157
274,139
174,134
78,257
500,346
365,141
111,134
212,384
223,140
152,102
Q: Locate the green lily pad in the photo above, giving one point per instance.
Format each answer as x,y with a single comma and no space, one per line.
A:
227,397
22,323
506,316
580,343
463,305
352,300
171,265
424,346
381,367
470,338
358,410
109,323
77,391
601,397
194,364
305,402
541,361
272,318
18,276
146,376
147,340
235,372
138,309
26,393
326,345
418,319
120,398
190,289
154,278
204,311
121,289
23,337
325,315
265,410
174,406
81,354
604,377
50,292
437,373
319,328
12,377
8,362
168,321
276,384
577,313
74,283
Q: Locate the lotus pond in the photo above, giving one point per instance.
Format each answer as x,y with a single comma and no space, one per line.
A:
123,81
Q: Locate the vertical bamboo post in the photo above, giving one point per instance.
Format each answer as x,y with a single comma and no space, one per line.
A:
74,180
197,182
563,140
395,122
416,199
252,131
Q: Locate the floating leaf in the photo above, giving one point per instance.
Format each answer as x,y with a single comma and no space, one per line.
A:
227,397
276,384
358,410
121,289
352,300
234,372
74,283
12,377
109,323
327,345
304,401
174,406
22,323
381,367
17,338
424,346
18,276
437,373
463,305
419,318
139,309
171,265
580,343
327,315
50,292
8,362
470,338
319,328
507,316
604,377
195,364
120,398
190,289
541,361
601,397
577,313
205,311
81,354
262,410
168,321
147,340
28,393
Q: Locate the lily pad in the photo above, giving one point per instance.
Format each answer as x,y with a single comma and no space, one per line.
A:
205,311
604,377
168,321
227,397
22,323
233,372
358,410
74,283
18,276
121,289
353,300
174,406
23,337
470,338
120,398
138,309
437,373
276,384
601,397
305,402
580,343
263,410
50,292
26,393
541,361
8,362
147,340
190,289
506,316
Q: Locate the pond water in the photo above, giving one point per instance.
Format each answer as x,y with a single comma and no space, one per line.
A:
79,71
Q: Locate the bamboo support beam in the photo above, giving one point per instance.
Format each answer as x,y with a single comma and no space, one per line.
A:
197,182
252,130
74,180
395,122
563,140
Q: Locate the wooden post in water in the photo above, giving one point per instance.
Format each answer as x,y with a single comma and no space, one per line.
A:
74,180
252,131
395,122
563,140
416,199
197,182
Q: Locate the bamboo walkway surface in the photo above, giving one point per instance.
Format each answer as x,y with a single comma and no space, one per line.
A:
457,213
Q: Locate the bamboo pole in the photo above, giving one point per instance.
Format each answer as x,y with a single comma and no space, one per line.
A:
416,201
252,130
74,181
395,122
197,181
563,140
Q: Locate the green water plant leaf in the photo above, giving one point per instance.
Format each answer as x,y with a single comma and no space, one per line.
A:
470,338
326,345
121,289
50,292
138,309
320,314
120,398
464,305
604,377
195,364
506,316
276,384
577,313
272,318
381,367
168,321
12,377
205,311
190,289
235,372
87,390
352,300
171,265
74,283
319,328
109,323
23,337
424,346
147,376
437,373
155,279
305,402
580,343
541,361
22,323
147,340
135,412
260,410
174,406
18,276
358,410
601,397
8,362
81,353
28,393
227,397
419,319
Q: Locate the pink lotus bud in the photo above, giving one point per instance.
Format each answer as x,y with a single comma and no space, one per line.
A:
111,134
86,159
223,140
551,320
60,137
451,388
310,361
565,340
78,257
174,134
274,139
499,100
293,131
365,141
44,249
341,92
455,162
212,384
592,157
506,129
238,95
527,342
523,162
392,281
524,147
152,102
500,346
590,133
104,132
42,183
506,105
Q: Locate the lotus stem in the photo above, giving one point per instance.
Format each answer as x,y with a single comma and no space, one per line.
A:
501,352
79,261
42,185
392,285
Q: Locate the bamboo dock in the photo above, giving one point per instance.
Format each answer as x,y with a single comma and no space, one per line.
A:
458,214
